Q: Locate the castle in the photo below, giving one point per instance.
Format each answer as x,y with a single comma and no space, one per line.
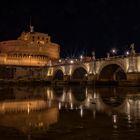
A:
21,57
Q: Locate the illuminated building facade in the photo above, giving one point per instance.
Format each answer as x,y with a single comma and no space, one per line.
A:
23,57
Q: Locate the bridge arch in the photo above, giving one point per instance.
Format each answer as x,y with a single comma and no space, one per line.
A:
112,71
58,74
79,73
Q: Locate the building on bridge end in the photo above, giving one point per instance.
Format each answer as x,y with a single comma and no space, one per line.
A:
25,57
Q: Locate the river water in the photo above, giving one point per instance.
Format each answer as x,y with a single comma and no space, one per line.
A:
35,112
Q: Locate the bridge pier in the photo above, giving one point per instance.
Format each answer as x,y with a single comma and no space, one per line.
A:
49,78
91,77
133,76
67,77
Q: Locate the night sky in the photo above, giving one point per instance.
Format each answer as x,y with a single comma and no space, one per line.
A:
79,26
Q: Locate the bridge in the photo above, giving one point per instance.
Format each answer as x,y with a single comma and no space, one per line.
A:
115,68
85,69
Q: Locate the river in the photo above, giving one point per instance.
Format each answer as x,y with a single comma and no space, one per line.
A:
36,112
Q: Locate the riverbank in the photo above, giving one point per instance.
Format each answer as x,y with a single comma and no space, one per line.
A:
71,82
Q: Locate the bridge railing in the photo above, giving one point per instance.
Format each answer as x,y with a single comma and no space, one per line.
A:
71,61
87,59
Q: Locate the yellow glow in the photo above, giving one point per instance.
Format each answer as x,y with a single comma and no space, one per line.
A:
28,110
50,72
88,67
3,108
42,42
63,70
128,107
59,105
50,94
70,96
114,118
81,111
71,106
71,61
70,71
63,96
86,92
138,63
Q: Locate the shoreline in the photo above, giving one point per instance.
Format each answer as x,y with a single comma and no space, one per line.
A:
71,82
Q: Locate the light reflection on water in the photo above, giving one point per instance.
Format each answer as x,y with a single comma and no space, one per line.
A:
69,112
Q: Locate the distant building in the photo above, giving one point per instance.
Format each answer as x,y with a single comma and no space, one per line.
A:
31,49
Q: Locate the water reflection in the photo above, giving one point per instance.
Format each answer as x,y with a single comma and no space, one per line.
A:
105,99
31,110
30,122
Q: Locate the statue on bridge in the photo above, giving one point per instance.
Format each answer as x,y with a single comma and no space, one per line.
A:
132,60
132,52
93,55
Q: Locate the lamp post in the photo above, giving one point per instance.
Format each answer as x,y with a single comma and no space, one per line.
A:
81,57
127,53
113,51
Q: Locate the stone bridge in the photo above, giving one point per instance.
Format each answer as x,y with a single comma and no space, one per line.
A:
105,69
115,68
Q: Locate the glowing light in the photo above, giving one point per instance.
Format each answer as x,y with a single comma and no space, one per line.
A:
64,96
3,108
128,107
86,75
86,92
59,105
127,53
114,118
129,118
71,106
71,61
60,61
70,71
81,57
40,124
114,51
70,96
28,110
81,111
50,94
50,63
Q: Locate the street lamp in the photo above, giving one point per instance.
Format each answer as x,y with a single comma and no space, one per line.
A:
81,57
60,60
114,51
127,53
71,61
